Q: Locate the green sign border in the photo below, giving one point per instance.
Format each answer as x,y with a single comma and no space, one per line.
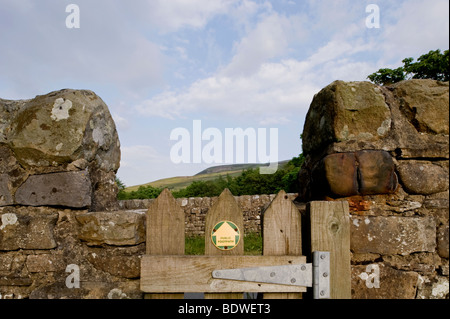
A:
217,226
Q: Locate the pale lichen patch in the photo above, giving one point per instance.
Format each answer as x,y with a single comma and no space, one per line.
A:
61,109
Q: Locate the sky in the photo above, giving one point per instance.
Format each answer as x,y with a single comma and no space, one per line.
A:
205,66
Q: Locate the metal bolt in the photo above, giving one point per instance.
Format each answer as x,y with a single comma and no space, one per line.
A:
293,280
325,274
322,292
322,256
272,274
303,268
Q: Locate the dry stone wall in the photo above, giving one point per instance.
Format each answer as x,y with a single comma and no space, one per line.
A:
386,151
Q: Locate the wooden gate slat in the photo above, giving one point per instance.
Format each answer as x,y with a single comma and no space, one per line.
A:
165,232
282,234
226,208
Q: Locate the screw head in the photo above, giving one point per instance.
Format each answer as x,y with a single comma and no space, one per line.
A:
322,293
217,274
322,256
293,280
272,274
303,268
325,274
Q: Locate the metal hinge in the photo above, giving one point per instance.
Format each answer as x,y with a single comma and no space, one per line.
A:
315,275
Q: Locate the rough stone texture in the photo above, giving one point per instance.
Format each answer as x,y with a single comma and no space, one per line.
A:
5,194
343,111
67,130
72,189
393,284
118,228
423,177
425,104
442,241
27,229
433,288
392,235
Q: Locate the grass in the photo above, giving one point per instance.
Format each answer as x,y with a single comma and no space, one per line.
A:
195,245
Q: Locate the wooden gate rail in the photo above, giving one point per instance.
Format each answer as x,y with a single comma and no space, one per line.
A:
167,273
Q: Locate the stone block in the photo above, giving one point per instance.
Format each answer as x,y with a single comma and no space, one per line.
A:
425,104
119,228
345,111
5,194
27,228
442,241
390,284
435,287
341,173
376,172
355,173
120,266
392,235
423,177
45,262
69,189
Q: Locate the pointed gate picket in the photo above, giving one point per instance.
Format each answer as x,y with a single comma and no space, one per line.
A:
167,273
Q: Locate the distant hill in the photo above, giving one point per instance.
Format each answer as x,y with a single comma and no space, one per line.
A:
211,173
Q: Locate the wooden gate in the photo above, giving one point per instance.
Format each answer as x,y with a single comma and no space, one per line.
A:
289,238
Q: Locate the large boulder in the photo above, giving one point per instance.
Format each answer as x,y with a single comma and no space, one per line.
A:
63,131
345,111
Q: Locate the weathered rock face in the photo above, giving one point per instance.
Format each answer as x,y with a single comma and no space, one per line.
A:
393,235
346,111
68,132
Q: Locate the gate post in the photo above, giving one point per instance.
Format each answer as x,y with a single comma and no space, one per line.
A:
330,231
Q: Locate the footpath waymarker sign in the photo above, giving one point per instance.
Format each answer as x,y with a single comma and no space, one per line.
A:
225,235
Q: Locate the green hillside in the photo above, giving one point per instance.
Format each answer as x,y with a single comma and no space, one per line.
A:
209,174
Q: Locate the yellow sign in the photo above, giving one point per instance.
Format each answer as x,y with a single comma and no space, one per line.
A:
225,235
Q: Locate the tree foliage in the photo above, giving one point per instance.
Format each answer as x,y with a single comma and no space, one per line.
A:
250,182
432,65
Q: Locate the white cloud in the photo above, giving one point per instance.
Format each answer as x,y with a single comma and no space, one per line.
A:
275,88
170,16
417,27
269,39
40,54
